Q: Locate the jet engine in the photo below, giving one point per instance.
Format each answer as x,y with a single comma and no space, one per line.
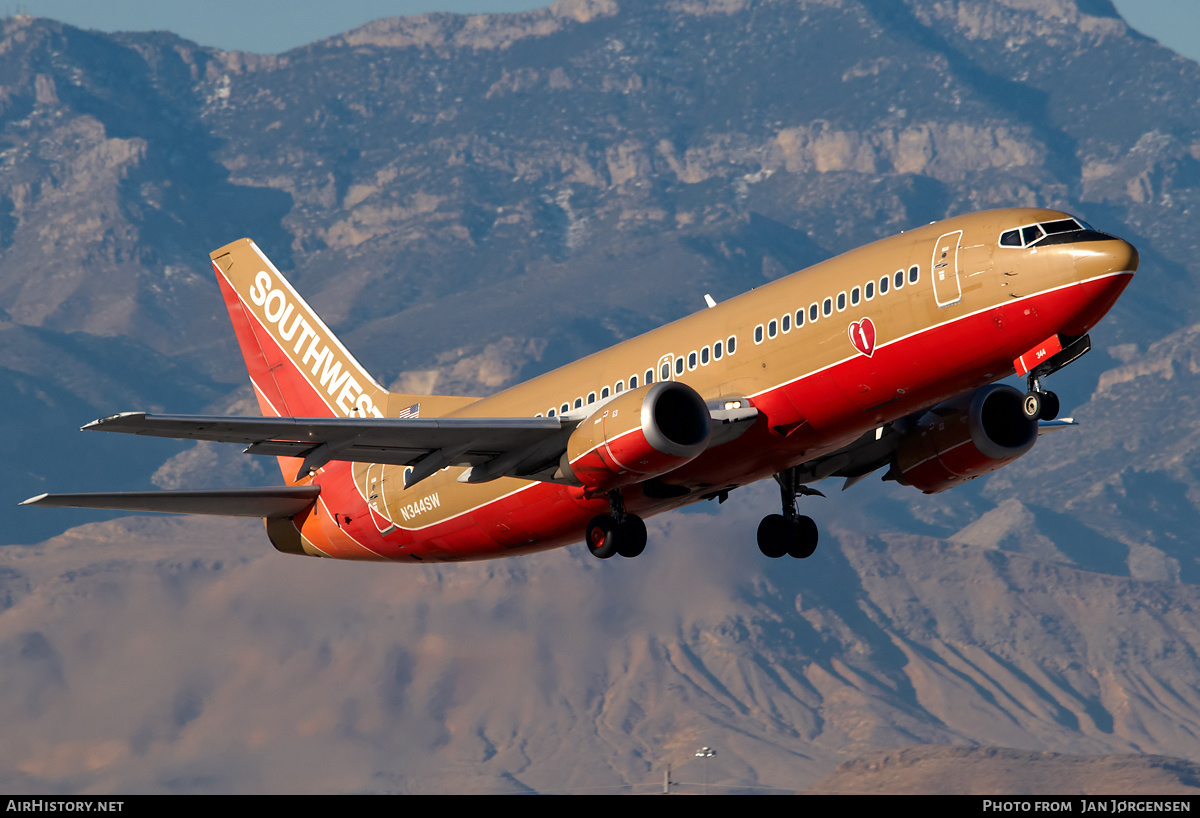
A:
961,439
639,434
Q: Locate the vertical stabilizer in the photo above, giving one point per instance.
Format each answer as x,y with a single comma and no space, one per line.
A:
297,365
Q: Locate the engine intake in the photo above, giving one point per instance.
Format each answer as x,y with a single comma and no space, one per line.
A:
642,433
963,438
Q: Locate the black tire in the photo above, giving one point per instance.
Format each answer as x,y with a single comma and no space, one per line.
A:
602,537
773,536
803,541
1032,405
631,536
1050,406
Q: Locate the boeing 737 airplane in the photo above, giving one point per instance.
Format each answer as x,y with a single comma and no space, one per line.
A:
885,357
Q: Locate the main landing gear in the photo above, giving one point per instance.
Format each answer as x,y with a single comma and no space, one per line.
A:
788,533
617,532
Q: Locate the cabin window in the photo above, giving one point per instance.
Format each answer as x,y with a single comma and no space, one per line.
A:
869,291
604,393
664,373
841,301
717,351
731,344
898,279
591,397
679,365
772,328
855,296
550,414
538,415
620,387
883,285
758,334
914,273
566,407
704,353
812,313
827,307
649,378
799,318
785,323
691,360
578,402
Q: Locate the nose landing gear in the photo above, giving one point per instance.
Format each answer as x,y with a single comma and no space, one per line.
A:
617,532
788,533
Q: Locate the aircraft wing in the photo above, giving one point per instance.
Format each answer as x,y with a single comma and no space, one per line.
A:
284,501
525,445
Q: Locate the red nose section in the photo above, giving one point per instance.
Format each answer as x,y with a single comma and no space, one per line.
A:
1104,269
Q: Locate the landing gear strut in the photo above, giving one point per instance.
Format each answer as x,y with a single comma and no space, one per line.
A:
617,532
788,533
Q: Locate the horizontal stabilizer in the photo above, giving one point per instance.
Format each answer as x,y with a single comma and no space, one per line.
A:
282,501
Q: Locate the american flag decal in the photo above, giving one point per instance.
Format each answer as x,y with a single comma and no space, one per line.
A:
413,411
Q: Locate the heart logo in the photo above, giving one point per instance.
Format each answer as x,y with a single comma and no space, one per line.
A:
862,335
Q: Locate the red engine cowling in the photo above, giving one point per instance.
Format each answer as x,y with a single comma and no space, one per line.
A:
961,439
642,433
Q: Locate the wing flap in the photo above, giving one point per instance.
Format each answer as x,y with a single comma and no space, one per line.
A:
281,501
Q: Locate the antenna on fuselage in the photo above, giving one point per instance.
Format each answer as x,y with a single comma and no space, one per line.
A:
708,299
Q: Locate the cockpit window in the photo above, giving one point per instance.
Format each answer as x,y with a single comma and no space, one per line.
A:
1031,234
1048,233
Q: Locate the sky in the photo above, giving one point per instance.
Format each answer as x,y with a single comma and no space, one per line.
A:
271,26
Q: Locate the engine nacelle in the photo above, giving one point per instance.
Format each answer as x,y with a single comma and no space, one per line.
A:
961,439
639,434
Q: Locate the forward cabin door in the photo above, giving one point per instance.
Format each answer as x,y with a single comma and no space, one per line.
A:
947,290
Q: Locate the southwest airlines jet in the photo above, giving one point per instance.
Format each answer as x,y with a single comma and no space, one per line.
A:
884,358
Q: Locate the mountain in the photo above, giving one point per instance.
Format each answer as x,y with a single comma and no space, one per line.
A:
469,201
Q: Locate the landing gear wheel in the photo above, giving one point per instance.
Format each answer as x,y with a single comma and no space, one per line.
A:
631,536
1032,405
1050,406
772,536
603,538
803,540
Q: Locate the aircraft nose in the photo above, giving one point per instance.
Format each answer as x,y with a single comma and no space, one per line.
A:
1099,258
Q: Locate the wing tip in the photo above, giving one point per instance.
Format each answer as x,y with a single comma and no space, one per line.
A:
33,501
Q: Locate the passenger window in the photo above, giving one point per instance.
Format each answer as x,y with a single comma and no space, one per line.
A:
758,334
604,393
799,318
550,414
898,279
854,297
679,365
870,290
691,360
812,312
827,307
578,402
772,328
665,373
704,356
786,323
717,351
841,301
731,344
591,397
649,378
566,407
883,285
620,387
914,273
